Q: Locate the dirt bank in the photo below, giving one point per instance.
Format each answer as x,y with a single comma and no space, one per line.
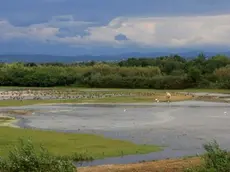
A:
174,165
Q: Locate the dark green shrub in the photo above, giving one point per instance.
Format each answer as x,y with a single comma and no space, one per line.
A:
215,159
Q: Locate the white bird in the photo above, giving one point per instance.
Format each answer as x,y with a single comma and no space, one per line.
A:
124,110
168,96
225,113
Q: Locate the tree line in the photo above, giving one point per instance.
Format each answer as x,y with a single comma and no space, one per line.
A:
168,72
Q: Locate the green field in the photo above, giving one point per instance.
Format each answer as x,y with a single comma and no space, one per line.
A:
68,144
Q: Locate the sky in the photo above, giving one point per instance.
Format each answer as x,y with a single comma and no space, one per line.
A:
72,27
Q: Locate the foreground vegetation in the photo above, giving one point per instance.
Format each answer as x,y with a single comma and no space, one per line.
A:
215,160
170,72
25,157
67,144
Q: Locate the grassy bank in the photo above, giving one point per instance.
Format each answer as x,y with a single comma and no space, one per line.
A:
66,144
125,95
131,99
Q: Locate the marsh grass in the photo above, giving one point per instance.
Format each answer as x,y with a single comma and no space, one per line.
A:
6,119
78,146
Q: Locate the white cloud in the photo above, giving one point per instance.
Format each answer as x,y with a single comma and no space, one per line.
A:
151,31
37,32
42,31
168,31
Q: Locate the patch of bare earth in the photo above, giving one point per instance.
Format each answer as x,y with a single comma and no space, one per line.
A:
172,165
211,98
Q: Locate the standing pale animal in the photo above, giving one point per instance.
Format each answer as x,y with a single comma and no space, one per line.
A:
168,96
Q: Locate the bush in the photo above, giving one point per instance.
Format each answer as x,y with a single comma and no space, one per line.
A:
215,160
25,159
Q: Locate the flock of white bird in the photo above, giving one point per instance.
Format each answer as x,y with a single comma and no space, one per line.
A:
56,94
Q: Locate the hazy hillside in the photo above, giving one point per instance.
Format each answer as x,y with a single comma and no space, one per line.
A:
40,58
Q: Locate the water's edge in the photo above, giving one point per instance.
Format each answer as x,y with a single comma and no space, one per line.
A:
166,153
129,159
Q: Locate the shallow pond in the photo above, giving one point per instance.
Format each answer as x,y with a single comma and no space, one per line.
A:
180,126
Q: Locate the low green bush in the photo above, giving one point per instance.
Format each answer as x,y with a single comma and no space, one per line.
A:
24,158
215,159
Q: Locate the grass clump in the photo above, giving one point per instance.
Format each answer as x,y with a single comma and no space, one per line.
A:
214,160
24,158
84,156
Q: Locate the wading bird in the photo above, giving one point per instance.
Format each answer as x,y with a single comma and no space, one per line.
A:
168,96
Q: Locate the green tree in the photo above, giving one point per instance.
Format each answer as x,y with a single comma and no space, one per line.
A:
194,74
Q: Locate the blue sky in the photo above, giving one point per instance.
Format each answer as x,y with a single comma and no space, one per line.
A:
112,26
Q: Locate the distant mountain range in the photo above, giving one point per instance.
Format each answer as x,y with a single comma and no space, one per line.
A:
42,58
